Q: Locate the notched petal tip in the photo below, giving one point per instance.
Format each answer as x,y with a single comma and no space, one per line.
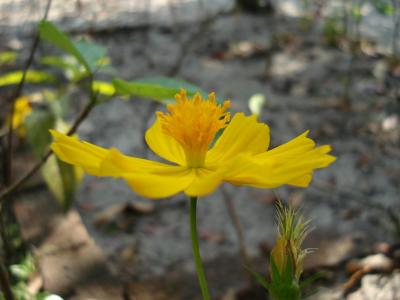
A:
292,163
55,134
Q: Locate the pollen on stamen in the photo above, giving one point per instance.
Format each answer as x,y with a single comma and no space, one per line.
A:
193,123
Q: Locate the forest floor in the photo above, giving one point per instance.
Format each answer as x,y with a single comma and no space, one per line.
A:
114,243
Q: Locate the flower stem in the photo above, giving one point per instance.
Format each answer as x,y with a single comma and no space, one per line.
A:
196,252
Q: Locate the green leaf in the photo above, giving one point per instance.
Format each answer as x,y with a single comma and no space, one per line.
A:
21,291
72,69
32,76
145,90
37,126
157,88
94,55
285,291
56,61
52,34
57,101
47,296
288,273
25,269
178,84
383,7
7,57
356,12
275,274
61,179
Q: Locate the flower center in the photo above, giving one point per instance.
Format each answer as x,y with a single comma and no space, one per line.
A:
193,123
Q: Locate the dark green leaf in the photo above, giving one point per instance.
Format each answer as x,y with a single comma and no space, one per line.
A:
69,65
94,55
275,274
37,126
52,34
157,88
288,272
24,269
58,102
383,7
145,90
61,180
178,84
356,12
69,183
56,61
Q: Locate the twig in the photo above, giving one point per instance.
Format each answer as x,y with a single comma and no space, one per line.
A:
349,82
188,44
7,249
7,161
8,165
84,113
396,26
236,225
5,284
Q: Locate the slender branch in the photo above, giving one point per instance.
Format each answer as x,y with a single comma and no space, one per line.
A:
188,44
84,113
196,251
396,26
244,254
8,158
5,284
8,165
7,249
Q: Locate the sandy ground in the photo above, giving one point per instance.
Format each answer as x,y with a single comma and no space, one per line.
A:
302,83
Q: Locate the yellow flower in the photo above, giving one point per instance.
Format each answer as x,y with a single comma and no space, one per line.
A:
22,109
183,136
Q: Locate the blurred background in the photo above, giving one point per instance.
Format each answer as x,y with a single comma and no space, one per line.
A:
332,67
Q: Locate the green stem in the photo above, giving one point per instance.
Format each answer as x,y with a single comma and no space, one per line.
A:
196,252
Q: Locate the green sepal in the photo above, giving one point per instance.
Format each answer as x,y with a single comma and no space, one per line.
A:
288,273
275,274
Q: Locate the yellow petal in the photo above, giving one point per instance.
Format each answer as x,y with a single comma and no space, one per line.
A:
164,145
98,161
22,109
244,170
292,163
116,164
204,183
293,148
242,135
167,182
72,151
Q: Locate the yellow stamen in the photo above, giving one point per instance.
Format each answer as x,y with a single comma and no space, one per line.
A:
193,123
